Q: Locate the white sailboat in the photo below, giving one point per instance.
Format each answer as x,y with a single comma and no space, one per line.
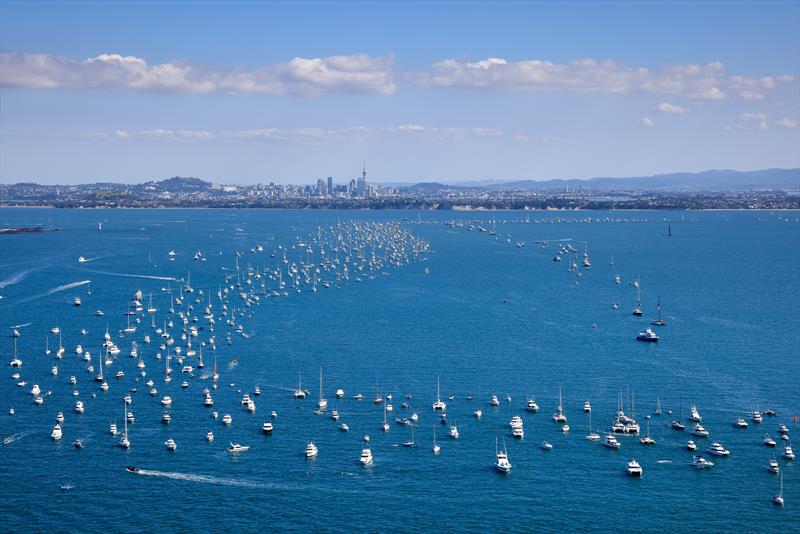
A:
439,404
124,442
323,402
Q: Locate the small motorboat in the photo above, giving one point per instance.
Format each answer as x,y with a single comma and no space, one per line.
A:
132,469
235,447
698,462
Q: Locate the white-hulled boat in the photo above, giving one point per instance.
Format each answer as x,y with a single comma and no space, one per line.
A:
366,456
501,463
439,404
171,445
236,447
266,428
778,499
311,450
56,434
611,442
634,469
698,462
718,450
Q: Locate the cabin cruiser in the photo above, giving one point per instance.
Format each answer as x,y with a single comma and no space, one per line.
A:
339,393
698,462
648,335
60,418
79,407
587,407
694,415
166,400
768,441
531,405
691,445
611,442
788,453
366,456
740,423
783,430
344,427
546,446
773,466
235,447
634,469
311,450
56,434
170,444
494,401
718,450
166,418
698,430
756,417
78,444
227,419
266,428
454,431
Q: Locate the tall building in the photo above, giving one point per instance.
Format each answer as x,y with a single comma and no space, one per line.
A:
322,188
330,185
361,186
351,188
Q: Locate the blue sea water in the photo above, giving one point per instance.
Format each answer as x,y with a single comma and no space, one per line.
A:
488,318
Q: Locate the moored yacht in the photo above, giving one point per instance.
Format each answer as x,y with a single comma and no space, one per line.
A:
311,450
366,456
170,445
611,442
648,335
698,430
501,464
788,453
768,441
718,450
266,428
56,434
634,469
698,462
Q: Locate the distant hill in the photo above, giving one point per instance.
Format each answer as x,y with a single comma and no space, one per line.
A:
178,184
431,186
683,181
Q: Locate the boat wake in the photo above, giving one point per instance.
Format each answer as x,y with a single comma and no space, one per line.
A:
16,437
205,479
664,462
68,286
126,275
15,278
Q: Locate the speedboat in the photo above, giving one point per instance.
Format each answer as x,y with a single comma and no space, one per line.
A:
235,447
311,450
210,436
546,446
634,469
494,401
132,469
227,419
783,430
718,450
691,446
611,442
170,444
788,453
768,441
344,427
740,423
366,456
78,444
698,462
698,430
648,335
454,432
677,425
60,417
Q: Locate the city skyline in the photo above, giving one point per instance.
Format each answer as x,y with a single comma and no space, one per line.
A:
445,92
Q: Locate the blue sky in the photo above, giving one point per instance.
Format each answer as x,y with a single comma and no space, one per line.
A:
289,92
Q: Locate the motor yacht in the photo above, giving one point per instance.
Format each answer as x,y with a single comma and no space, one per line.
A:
691,446
698,430
634,469
718,450
56,434
698,462
501,464
773,466
768,441
611,442
587,407
170,445
236,447
740,423
311,450
531,405
366,456
788,453
266,428
648,335
209,436
694,415
227,419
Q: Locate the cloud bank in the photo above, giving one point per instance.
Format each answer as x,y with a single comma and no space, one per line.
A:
304,76
308,135
589,75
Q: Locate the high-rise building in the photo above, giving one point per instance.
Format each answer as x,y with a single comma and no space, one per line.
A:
361,186
322,188
351,188
330,185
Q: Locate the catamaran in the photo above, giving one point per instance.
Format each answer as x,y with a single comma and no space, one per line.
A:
439,404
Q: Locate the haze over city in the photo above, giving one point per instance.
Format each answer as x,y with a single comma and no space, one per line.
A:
291,92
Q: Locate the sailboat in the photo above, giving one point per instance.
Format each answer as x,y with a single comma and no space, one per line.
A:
323,403
436,447
659,321
411,442
678,425
385,426
658,407
778,499
647,439
124,442
439,404
559,416
592,436
637,311
299,393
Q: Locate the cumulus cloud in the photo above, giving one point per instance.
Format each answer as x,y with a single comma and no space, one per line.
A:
666,107
590,75
305,76
307,135
647,122
786,122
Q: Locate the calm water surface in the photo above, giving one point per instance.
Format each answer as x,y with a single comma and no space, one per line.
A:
488,318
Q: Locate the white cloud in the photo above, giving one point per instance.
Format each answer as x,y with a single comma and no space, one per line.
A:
753,120
524,138
647,122
305,76
666,107
786,122
307,135
590,75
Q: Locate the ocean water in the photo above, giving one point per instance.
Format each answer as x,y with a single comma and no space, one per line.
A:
487,318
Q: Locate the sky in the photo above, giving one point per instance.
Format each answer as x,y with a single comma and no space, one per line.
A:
419,91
